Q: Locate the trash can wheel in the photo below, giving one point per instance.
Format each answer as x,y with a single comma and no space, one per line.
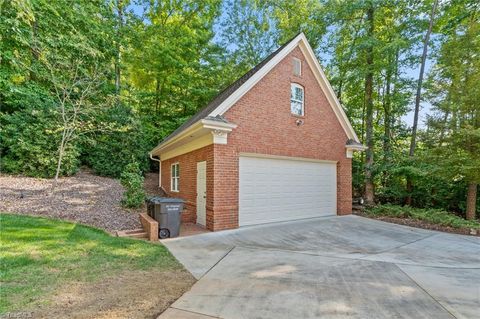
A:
163,233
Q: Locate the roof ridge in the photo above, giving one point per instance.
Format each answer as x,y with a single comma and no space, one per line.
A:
225,93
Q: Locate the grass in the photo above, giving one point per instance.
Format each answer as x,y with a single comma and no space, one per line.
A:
434,216
38,255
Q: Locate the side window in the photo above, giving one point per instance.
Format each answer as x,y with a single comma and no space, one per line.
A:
297,99
174,185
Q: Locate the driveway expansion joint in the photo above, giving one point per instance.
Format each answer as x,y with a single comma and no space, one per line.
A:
403,245
425,291
196,313
408,273
358,258
218,261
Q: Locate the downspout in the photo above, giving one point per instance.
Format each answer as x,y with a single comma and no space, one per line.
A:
159,169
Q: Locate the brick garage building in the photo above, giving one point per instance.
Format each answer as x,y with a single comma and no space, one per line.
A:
274,146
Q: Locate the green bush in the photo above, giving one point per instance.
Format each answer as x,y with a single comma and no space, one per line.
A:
29,143
434,216
132,180
109,152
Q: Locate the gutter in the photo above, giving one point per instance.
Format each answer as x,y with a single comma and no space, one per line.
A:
159,169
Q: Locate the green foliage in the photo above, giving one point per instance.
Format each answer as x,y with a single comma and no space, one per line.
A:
173,66
434,216
132,180
29,141
108,152
145,71
38,255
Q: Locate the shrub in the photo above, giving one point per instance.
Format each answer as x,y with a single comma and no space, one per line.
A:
108,153
132,180
434,216
29,143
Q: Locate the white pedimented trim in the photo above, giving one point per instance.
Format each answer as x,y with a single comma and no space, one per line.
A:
351,148
207,124
307,50
193,145
216,125
219,137
187,132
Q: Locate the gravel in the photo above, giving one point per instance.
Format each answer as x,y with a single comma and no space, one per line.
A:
84,198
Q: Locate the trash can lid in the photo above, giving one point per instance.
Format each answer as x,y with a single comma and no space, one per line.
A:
158,199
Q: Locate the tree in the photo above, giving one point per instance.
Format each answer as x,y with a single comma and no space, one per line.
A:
69,55
455,86
172,66
74,88
419,93
369,59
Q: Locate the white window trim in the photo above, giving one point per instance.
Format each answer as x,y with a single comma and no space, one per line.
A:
296,85
177,178
296,60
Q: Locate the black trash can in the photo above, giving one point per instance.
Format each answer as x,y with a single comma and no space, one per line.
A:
167,212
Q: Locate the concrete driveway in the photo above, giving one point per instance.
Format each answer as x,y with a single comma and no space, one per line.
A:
334,267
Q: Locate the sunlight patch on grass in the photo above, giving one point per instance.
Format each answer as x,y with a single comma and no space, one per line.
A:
37,255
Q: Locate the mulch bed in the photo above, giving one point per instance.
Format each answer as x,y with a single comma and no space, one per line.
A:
419,224
84,198
151,185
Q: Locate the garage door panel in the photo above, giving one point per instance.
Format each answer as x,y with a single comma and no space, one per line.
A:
283,189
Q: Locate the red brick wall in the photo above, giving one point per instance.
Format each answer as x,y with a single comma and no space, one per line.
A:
266,126
188,180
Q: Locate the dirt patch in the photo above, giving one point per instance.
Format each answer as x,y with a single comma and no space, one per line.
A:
131,294
420,224
84,198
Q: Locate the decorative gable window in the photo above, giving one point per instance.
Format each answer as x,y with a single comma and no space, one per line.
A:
297,67
296,99
174,185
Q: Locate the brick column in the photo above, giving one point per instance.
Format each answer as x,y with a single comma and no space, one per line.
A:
225,201
344,186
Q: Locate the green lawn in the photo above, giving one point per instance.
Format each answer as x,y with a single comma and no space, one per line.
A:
38,255
433,216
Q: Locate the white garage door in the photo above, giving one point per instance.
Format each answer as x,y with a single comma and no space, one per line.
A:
274,190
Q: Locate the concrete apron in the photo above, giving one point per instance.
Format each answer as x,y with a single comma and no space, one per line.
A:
335,267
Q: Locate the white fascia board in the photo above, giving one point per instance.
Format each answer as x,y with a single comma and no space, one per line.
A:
201,124
327,89
317,70
187,132
245,87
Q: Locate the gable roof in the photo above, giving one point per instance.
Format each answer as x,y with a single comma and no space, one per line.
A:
226,98
223,95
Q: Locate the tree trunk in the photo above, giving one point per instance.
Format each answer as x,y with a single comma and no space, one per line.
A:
413,141
157,95
387,107
471,201
118,46
369,187
420,79
61,150
34,49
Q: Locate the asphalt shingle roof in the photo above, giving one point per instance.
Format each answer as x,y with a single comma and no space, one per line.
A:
223,95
